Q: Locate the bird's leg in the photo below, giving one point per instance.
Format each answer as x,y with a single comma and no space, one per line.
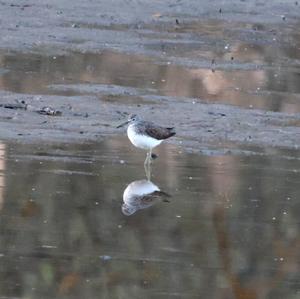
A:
147,159
147,166
148,171
150,156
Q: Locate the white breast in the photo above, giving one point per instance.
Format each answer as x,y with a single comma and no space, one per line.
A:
138,189
133,196
141,141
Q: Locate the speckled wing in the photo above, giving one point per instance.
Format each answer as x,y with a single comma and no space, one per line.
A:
149,199
158,132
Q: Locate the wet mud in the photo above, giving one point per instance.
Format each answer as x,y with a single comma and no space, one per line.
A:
217,217
222,75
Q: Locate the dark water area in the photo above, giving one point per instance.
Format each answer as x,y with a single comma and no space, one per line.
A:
222,226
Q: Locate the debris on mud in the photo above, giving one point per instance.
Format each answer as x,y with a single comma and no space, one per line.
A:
17,105
49,111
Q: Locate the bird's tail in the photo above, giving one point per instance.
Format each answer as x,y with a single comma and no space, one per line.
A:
162,195
172,131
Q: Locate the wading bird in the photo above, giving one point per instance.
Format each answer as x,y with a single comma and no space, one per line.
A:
145,134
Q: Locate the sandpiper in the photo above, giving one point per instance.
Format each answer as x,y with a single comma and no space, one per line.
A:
145,134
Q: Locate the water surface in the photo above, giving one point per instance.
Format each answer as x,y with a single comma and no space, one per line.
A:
243,64
229,228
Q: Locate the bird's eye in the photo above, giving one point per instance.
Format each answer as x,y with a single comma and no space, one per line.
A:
133,119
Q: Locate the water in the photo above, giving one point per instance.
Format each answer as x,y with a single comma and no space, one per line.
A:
228,229
217,226
247,65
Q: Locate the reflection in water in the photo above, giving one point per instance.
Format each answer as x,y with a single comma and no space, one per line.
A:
246,74
231,229
140,195
2,170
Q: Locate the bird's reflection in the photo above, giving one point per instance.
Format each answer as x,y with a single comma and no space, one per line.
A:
141,194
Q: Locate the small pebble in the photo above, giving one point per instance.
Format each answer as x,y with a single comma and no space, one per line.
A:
105,257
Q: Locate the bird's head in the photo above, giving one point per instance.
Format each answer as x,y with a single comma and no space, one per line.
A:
131,119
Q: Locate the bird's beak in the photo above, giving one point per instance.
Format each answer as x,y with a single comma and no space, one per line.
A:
123,124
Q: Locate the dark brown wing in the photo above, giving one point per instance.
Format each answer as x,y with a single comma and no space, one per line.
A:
158,132
161,194
149,198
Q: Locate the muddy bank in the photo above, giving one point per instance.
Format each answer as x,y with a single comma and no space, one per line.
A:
63,24
199,126
225,75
